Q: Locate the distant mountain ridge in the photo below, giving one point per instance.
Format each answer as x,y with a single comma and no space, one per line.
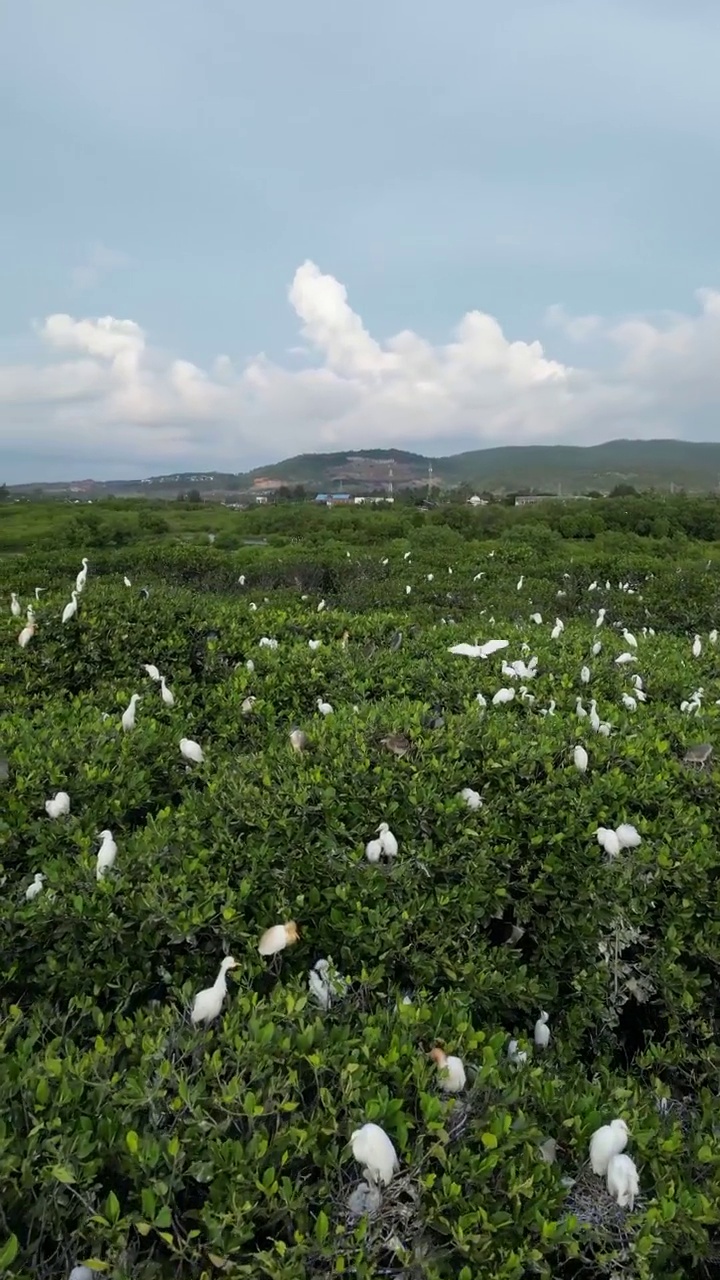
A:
660,464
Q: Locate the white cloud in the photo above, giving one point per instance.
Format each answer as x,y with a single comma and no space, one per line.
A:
101,380
97,263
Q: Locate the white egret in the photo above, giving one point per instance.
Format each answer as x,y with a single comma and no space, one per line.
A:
606,1142
608,840
373,1149
166,695
314,644
580,759
515,1054
451,1071
15,607
58,806
542,1031
70,609
35,888
82,576
697,650
278,937
585,675
248,704
326,984
597,648
628,836
479,650
107,854
537,618
127,581
629,701
325,708
387,840
629,638
209,1002
26,635
373,850
580,711
191,751
128,716
503,695
151,670
472,798
623,1183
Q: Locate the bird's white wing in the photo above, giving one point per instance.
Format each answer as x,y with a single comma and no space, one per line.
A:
467,650
492,646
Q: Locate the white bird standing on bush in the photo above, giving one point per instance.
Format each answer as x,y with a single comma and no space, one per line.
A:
209,1002
387,840
580,759
191,751
70,609
26,635
325,708
151,670
128,715
277,938
35,888
58,806
542,1031
623,1183
373,1149
473,799
165,693
697,647
606,1142
516,1054
15,608
451,1071
82,576
106,854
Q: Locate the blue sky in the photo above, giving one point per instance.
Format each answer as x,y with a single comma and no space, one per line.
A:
175,164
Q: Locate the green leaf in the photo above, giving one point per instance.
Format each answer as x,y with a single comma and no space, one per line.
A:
112,1207
322,1226
489,1140
164,1218
61,1174
132,1141
8,1253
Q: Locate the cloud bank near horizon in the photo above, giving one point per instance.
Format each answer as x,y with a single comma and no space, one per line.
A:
100,393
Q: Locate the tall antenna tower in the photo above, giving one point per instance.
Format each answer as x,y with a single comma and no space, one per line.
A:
430,480
390,482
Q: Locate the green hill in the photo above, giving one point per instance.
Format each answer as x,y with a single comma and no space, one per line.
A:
646,464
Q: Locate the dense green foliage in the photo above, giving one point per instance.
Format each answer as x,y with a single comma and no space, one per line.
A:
156,1149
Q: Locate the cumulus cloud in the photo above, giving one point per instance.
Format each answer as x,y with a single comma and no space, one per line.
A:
102,378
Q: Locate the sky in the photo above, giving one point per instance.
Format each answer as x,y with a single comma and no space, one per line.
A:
233,232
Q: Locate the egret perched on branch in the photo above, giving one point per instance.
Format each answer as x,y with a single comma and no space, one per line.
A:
472,798
542,1031
325,708
580,759
58,806
503,695
387,840
373,1149
451,1071
209,1002
128,716
82,576
70,609
191,751
623,1183
26,635
277,938
167,697
606,1142
15,608
151,670
107,854
697,650
35,888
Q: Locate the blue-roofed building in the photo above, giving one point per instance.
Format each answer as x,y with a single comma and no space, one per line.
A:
322,497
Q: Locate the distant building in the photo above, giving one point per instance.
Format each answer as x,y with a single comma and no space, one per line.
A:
334,499
261,499
476,501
